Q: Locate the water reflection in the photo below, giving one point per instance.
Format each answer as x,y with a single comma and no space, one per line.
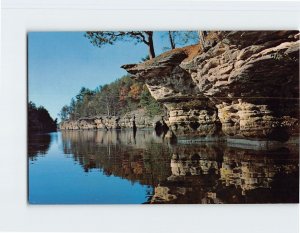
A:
202,173
210,174
142,159
38,144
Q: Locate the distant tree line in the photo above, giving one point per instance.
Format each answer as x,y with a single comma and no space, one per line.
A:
114,99
39,119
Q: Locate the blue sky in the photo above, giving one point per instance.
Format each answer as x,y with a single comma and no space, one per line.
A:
60,63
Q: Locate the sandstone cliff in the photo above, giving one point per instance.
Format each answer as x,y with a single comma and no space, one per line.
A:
244,84
137,118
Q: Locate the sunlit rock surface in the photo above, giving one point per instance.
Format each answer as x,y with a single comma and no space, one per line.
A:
137,118
245,84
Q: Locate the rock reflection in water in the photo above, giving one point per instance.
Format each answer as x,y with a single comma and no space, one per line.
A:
141,157
219,174
201,173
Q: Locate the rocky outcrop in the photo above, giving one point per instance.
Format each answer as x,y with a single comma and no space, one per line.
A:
245,84
103,122
134,119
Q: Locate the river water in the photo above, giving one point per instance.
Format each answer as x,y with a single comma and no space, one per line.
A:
122,167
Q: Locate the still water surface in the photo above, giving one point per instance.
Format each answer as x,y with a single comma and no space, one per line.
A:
120,167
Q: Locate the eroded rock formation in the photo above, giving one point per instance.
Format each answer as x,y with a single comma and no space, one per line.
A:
137,118
245,84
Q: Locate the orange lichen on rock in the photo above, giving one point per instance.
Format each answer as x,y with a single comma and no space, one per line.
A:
191,51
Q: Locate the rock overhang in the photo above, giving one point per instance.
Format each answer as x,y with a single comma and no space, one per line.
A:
254,67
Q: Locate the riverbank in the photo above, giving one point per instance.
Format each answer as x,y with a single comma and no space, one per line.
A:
135,119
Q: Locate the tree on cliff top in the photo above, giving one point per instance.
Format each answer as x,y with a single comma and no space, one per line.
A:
181,38
100,38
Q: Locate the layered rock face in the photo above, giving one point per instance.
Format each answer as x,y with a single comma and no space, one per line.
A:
92,123
137,118
245,84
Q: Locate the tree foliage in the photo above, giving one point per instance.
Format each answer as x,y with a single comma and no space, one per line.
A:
100,38
125,94
39,119
115,99
148,102
181,38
